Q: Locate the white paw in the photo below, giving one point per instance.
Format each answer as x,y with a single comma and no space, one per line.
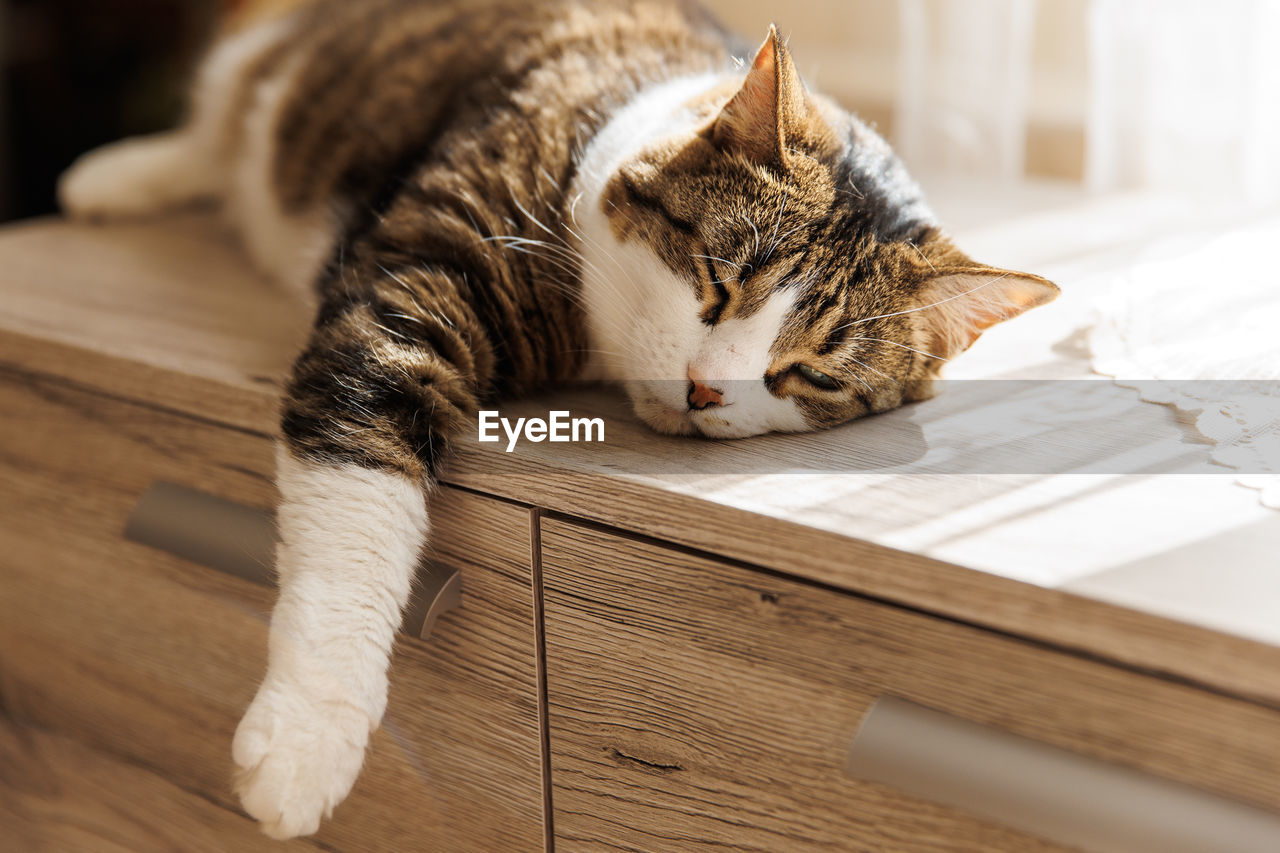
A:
297,756
132,178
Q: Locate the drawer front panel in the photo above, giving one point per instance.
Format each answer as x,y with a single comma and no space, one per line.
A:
695,703
153,658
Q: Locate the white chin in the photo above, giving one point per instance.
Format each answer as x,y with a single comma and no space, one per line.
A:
712,425
662,418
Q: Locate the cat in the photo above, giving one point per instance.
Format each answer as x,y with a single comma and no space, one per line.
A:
488,198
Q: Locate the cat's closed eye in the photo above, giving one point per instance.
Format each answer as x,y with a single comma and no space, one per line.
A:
716,296
816,377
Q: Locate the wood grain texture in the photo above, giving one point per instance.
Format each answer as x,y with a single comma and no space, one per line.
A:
60,796
171,315
780,538
694,703
151,658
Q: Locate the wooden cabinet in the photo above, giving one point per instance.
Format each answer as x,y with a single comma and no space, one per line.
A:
645,658
695,702
151,659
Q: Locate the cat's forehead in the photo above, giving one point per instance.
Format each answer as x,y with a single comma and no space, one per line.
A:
692,202
757,205
832,228
856,191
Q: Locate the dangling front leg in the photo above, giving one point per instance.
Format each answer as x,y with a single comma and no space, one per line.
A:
368,410
349,542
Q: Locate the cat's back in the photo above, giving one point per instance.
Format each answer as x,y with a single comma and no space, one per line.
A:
370,88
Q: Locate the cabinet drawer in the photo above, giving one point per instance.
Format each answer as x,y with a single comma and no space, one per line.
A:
696,703
153,658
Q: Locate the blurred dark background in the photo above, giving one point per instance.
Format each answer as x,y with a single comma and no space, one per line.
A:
77,73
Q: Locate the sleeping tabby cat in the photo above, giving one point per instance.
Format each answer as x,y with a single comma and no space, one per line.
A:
492,196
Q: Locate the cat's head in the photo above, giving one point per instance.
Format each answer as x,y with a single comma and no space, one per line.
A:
776,269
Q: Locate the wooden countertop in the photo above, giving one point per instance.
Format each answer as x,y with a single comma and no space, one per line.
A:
1175,572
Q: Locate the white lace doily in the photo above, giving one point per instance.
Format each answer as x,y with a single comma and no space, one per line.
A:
1198,327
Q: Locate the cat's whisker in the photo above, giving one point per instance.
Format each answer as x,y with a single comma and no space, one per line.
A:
605,280
755,251
585,263
564,257
575,295
564,251
912,244
776,225
555,262
537,248
530,216
737,276
864,383
585,238
597,350
904,346
572,252
799,227
924,307
715,258
615,354
863,364
594,267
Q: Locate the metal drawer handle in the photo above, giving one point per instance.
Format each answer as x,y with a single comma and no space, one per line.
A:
240,541
1051,792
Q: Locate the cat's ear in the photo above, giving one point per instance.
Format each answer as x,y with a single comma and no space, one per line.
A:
958,305
770,104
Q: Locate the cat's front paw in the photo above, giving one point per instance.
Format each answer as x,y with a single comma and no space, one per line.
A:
297,756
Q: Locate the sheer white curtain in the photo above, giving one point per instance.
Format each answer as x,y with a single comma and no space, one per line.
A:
1185,94
963,85
1181,94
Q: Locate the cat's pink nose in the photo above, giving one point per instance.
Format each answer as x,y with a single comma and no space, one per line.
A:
702,395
